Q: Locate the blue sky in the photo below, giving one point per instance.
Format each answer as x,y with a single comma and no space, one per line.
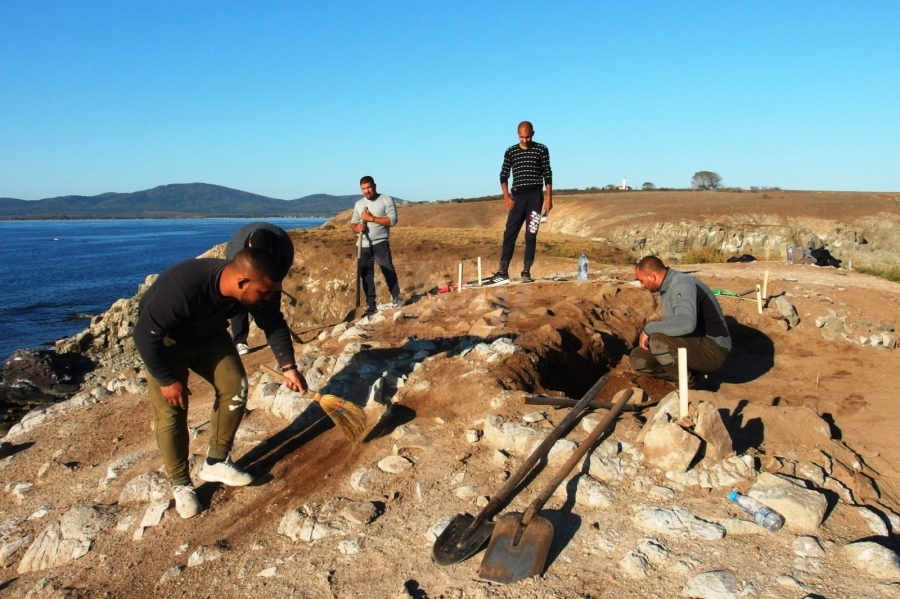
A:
287,99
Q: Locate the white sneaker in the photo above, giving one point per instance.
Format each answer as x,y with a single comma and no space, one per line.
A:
226,473
186,503
242,348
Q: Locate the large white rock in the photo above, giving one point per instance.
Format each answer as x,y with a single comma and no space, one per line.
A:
590,492
802,508
289,405
720,584
709,427
394,464
666,411
677,521
362,480
117,466
65,540
149,486
670,448
511,436
875,559
29,422
297,526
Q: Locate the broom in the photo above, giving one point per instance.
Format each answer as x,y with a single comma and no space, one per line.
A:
347,416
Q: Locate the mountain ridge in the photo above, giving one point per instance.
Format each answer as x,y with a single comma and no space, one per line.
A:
176,200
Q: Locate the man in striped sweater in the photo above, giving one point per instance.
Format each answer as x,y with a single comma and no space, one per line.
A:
529,162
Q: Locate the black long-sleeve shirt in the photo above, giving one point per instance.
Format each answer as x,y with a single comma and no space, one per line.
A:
530,167
185,304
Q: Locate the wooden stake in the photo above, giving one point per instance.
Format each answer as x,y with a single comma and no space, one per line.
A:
683,382
459,286
479,271
766,286
758,299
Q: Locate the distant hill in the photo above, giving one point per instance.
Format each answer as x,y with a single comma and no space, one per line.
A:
190,200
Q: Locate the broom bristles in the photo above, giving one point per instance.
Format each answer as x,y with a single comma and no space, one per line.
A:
347,416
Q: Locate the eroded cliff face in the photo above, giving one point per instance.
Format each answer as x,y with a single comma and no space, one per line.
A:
873,240
858,226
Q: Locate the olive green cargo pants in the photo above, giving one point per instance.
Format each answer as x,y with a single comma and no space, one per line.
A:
217,362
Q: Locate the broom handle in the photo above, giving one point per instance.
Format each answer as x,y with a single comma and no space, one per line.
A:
315,394
502,496
585,446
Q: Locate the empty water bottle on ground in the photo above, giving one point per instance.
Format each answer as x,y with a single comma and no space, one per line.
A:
762,515
582,267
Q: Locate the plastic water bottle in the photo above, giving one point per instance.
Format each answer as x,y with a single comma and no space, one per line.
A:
790,255
582,267
762,515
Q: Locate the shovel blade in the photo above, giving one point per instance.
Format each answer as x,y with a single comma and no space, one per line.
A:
458,543
512,556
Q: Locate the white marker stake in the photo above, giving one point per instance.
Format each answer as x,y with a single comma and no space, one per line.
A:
758,299
479,271
459,287
683,381
766,286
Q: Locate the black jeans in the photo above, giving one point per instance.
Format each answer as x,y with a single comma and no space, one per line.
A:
380,253
527,208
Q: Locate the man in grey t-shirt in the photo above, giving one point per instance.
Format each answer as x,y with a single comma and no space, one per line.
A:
373,216
691,318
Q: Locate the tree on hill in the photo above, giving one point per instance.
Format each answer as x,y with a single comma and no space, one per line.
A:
706,180
648,186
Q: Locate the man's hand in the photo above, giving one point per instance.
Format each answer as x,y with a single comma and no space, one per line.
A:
295,381
176,394
644,341
509,201
366,215
359,228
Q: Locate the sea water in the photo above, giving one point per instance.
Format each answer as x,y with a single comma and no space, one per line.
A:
54,275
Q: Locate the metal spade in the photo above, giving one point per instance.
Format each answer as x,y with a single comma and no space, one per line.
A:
466,535
521,542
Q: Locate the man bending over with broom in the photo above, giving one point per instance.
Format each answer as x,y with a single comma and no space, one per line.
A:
182,325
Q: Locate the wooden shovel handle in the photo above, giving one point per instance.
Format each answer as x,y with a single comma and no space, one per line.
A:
499,500
621,399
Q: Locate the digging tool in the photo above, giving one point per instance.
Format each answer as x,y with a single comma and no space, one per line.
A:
348,417
565,402
354,313
521,541
465,535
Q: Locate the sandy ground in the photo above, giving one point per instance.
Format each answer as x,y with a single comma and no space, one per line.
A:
572,333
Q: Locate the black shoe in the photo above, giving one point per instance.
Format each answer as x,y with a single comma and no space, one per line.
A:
526,277
370,312
501,277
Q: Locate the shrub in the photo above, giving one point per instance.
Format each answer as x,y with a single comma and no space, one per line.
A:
703,255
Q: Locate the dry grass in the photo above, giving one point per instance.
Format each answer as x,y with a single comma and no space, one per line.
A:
704,255
890,273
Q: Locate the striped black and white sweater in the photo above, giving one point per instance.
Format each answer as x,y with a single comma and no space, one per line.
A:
530,167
